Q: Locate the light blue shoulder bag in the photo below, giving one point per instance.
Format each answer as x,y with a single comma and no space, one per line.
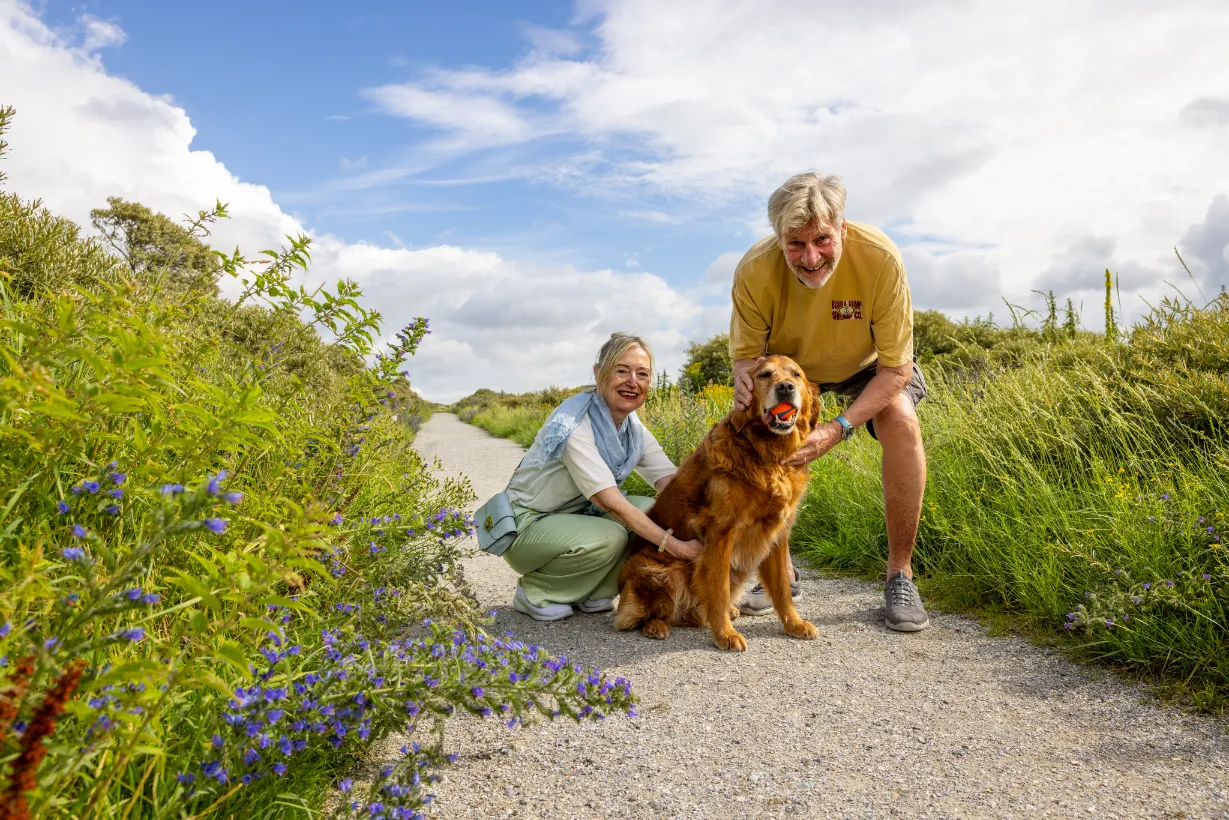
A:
496,524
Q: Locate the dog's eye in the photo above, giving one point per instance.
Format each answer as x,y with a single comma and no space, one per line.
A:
795,374
763,376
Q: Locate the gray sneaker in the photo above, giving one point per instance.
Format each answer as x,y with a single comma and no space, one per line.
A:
904,606
757,601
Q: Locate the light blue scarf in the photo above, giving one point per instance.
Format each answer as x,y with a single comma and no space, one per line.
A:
620,447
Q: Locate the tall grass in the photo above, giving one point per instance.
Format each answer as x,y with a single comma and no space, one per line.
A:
1084,490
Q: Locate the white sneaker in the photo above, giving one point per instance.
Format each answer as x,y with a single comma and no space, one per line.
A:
597,605
549,612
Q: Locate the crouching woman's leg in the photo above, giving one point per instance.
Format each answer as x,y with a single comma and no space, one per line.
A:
566,559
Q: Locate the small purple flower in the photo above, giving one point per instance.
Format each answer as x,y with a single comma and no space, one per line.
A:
345,785
336,520
79,531
50,643
1147,586
118,478
111,509
8,627
217,741
172,489
233,498
90,486
214,485
1165,497
215,525
1207,576
279,769
478,691
73,553
116,493
134,634
63,507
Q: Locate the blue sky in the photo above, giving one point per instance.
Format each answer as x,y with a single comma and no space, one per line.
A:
273,90
533,177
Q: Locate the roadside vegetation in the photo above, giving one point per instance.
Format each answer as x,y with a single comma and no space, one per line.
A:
225,573
1078,482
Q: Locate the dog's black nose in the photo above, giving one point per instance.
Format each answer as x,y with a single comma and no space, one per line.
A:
785,388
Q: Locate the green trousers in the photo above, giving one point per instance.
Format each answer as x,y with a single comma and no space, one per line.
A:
564,559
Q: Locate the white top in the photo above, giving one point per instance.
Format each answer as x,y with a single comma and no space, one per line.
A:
565,486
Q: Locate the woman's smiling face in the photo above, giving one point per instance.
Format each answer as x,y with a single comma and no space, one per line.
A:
628,385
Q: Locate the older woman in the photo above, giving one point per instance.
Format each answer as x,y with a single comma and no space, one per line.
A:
572,516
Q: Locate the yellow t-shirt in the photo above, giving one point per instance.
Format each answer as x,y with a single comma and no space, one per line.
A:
862,313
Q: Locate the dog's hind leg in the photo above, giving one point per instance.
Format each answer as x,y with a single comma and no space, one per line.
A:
631,611
775,576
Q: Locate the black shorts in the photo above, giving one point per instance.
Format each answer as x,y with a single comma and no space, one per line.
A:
852,387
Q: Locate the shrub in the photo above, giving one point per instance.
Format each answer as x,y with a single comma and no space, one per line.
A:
226,573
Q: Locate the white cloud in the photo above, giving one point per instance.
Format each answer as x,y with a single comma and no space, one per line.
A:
100,33
999,135
473,120
552,41
81,135
648,215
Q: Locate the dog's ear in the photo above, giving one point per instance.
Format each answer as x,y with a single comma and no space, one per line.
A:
741,418
816,404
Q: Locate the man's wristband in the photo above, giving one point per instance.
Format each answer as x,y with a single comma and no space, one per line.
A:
662,546
847,429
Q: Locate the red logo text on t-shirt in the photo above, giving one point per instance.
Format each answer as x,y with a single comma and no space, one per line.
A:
846,309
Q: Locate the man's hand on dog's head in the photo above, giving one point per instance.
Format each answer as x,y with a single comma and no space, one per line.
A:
744,385
822,439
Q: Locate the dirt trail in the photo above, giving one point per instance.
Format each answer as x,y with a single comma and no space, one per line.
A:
948,722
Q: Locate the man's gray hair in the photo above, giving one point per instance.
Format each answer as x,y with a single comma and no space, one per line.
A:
806,198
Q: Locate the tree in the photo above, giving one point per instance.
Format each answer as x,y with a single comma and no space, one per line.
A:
707,362
152,245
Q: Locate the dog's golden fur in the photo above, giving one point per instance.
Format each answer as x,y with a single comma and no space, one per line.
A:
734,495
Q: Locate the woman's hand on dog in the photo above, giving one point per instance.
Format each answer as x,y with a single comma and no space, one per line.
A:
687,550
822,439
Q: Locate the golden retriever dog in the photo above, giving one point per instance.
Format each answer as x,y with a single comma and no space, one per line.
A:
734,495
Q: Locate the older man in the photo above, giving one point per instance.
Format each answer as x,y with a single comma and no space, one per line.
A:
832,295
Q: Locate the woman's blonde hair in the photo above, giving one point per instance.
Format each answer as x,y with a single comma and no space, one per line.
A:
806,198
616,346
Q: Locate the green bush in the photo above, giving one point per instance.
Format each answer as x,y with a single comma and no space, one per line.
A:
226,573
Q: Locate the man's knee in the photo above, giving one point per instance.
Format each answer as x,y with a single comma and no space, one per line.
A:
897,426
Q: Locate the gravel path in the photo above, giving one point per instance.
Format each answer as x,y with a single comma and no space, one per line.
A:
862,722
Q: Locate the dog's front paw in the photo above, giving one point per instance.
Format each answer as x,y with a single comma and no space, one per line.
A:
731,641
655,628
802,629
734,612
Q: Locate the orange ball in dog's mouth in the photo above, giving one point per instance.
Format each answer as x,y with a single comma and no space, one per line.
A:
784,412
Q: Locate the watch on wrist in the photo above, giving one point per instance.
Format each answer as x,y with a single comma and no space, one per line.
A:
847,429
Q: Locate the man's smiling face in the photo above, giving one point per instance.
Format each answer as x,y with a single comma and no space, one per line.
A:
813,251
